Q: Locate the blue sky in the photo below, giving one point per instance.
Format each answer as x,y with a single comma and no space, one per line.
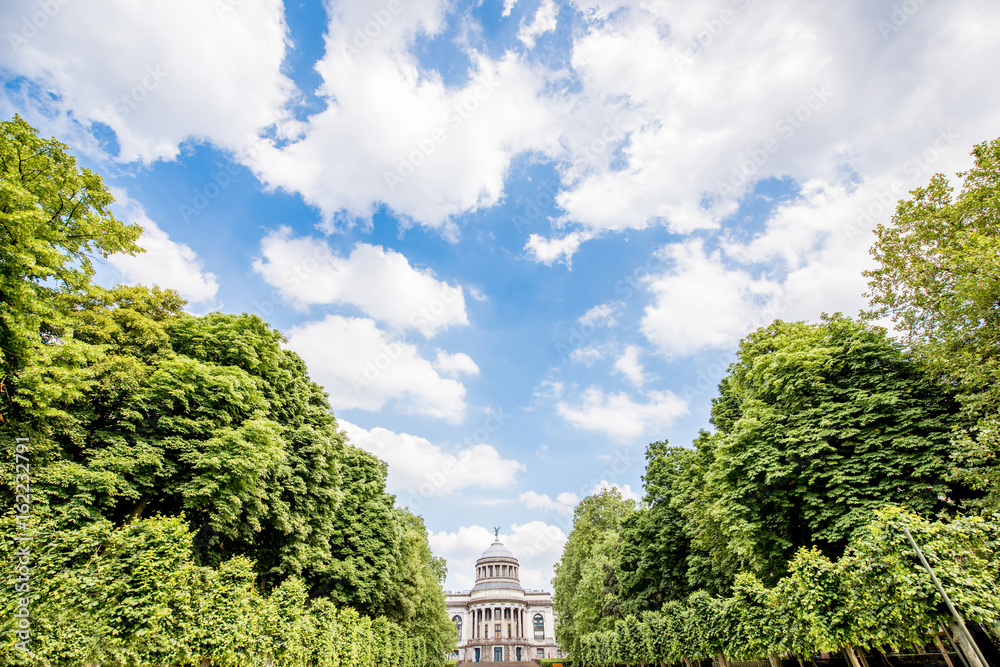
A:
515,241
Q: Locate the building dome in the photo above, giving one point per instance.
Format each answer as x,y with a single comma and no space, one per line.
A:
497,550
497,569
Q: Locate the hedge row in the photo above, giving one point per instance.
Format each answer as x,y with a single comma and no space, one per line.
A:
132,597
876,596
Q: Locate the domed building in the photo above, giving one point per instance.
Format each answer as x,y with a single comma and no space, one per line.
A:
498,620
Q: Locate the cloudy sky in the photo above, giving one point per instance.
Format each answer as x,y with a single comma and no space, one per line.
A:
515,240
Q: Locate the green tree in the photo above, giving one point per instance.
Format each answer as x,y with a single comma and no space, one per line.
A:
420,604
53,218
584,600
938,278
366,540
303,490
655,542
819,425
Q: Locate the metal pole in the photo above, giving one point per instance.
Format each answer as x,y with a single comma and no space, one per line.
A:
958,651
947,600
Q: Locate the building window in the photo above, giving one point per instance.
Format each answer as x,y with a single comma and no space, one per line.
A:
457,620
491,570
539,623
540,654
487,629
496,630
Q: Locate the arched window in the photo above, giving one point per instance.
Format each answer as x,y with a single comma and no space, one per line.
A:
457,620
539,624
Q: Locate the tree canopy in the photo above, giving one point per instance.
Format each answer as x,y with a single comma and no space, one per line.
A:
938,279
585,595
818,426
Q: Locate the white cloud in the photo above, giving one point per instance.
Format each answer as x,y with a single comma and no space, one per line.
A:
536,544
589,354
545,20
814,249
362,367
629,365
699,303
601,315
508,5
166,263
701,133
555,249
380,282
420,469
620,417
394,133
455,364
159,72
626,490
550,389
564,503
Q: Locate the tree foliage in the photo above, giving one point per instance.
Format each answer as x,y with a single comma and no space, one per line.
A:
53,218
655,548
818,426
877,596
585,590
134,596
135,409
938,278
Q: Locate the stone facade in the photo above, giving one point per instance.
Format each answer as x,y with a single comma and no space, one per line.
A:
499,621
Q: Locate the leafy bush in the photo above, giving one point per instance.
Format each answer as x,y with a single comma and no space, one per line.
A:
876,596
